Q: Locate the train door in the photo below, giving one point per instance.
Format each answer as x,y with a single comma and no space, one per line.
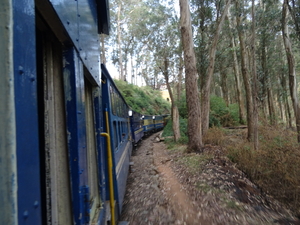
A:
55,177
92,154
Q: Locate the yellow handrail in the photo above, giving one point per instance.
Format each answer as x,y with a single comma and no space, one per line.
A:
110,172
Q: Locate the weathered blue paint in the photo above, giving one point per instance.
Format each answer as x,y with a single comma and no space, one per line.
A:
29,212
76,130
79,18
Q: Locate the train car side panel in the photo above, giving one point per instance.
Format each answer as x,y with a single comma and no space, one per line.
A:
136,124
29,200
79,18
148,124
158,123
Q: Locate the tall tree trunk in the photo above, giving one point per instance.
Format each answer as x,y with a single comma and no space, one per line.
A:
132,69
205,96
254,78
192,94
245,74
237,76
179,86
291,64
224,85
271,106
288,112
121,72
175,112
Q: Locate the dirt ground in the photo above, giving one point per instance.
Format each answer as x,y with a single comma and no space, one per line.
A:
161,190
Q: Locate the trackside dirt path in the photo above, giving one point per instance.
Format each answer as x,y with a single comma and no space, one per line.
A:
182,204
161,190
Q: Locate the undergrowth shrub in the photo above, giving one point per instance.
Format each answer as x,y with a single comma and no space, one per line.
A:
275,167
220,114
168,130
214,136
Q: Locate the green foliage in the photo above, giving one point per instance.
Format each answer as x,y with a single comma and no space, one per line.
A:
168,130
220,114
143,99
182,108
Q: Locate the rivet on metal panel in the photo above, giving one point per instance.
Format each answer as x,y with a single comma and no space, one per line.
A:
36,204
21,70
25,214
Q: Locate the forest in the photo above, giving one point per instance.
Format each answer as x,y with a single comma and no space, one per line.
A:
245,52
225,63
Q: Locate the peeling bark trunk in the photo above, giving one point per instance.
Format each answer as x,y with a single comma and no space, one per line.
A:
205,96
291,64
272,112
237,77
246,77
224,86
175,112
254,78
192,94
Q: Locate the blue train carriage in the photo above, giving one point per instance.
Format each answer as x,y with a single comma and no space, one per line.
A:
53,161
116,113
136,123
148,124
166,118
158,121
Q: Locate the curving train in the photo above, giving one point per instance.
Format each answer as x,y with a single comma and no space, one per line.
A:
66,132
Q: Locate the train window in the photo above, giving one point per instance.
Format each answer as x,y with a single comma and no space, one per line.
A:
91,151
113,100
115,141
120,132
123,131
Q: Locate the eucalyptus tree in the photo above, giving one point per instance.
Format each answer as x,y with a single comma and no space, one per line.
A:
240,11
205,93
167,52
254,78
291,65
191,76
236,68
268,31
